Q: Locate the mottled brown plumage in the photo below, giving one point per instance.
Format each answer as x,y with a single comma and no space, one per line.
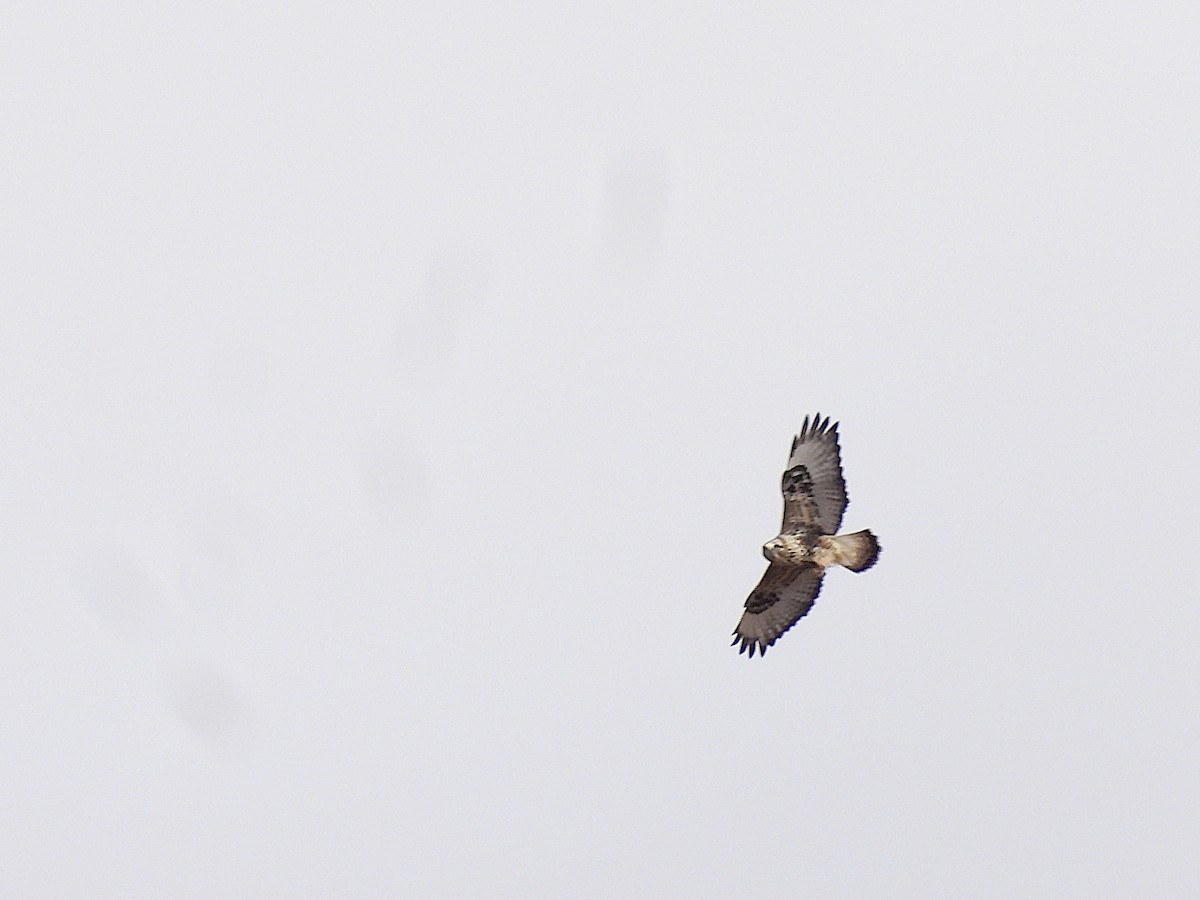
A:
814,500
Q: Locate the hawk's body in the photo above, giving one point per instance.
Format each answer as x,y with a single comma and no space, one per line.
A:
814,499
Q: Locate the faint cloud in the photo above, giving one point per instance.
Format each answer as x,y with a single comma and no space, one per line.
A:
121,589
213,561
393,478
636,197
456,281
209,704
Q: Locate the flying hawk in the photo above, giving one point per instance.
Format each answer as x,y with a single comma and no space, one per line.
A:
814,498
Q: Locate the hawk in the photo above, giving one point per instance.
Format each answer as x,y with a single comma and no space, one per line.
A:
814,498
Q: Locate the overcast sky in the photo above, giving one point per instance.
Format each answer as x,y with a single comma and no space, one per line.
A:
393,408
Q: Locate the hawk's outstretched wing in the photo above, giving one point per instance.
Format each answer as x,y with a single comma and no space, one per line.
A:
814,492
781,599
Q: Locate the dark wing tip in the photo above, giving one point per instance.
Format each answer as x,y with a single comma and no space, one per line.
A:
814,427
750,644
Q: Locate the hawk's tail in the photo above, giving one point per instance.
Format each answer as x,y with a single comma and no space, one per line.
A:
858,551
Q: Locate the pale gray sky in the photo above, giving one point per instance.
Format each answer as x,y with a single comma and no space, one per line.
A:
394,404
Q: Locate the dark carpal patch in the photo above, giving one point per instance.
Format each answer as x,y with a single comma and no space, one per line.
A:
796,480
762,601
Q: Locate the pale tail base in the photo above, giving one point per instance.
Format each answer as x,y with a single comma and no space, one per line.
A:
857,551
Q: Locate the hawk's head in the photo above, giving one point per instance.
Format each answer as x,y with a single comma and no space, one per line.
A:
787,549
